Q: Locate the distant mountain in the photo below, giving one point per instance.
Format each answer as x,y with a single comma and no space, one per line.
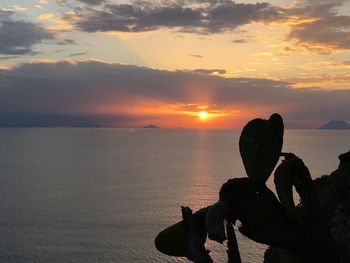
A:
335,125
151,126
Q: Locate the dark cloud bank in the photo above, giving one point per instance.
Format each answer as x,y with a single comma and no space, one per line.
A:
92,2
320,29
73,94
17,37
204,17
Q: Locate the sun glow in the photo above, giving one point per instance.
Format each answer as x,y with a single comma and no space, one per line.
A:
203,115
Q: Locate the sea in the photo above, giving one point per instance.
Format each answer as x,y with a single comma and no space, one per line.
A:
84,195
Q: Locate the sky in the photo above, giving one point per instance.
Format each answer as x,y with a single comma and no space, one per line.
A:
177,63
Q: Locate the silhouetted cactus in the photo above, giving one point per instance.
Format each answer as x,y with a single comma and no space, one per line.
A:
172,241
260,146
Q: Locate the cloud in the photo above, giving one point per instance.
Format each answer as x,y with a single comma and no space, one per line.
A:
30,119
61,2
202,17
196,55
92,2
324,30
329,80
6,14
66,42
18,8
210,71
19,37
316,26
136,96
77,54
240,41
7,57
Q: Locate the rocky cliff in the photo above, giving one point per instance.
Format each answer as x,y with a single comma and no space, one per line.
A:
334,195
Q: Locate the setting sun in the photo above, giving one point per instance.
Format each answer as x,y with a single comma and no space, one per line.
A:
203,115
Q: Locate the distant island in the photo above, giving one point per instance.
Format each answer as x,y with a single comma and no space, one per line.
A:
335,125
151,126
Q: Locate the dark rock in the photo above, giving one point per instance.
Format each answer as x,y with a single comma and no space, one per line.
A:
344,160
334,197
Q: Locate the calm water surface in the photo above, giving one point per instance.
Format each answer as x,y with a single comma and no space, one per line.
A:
102,195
